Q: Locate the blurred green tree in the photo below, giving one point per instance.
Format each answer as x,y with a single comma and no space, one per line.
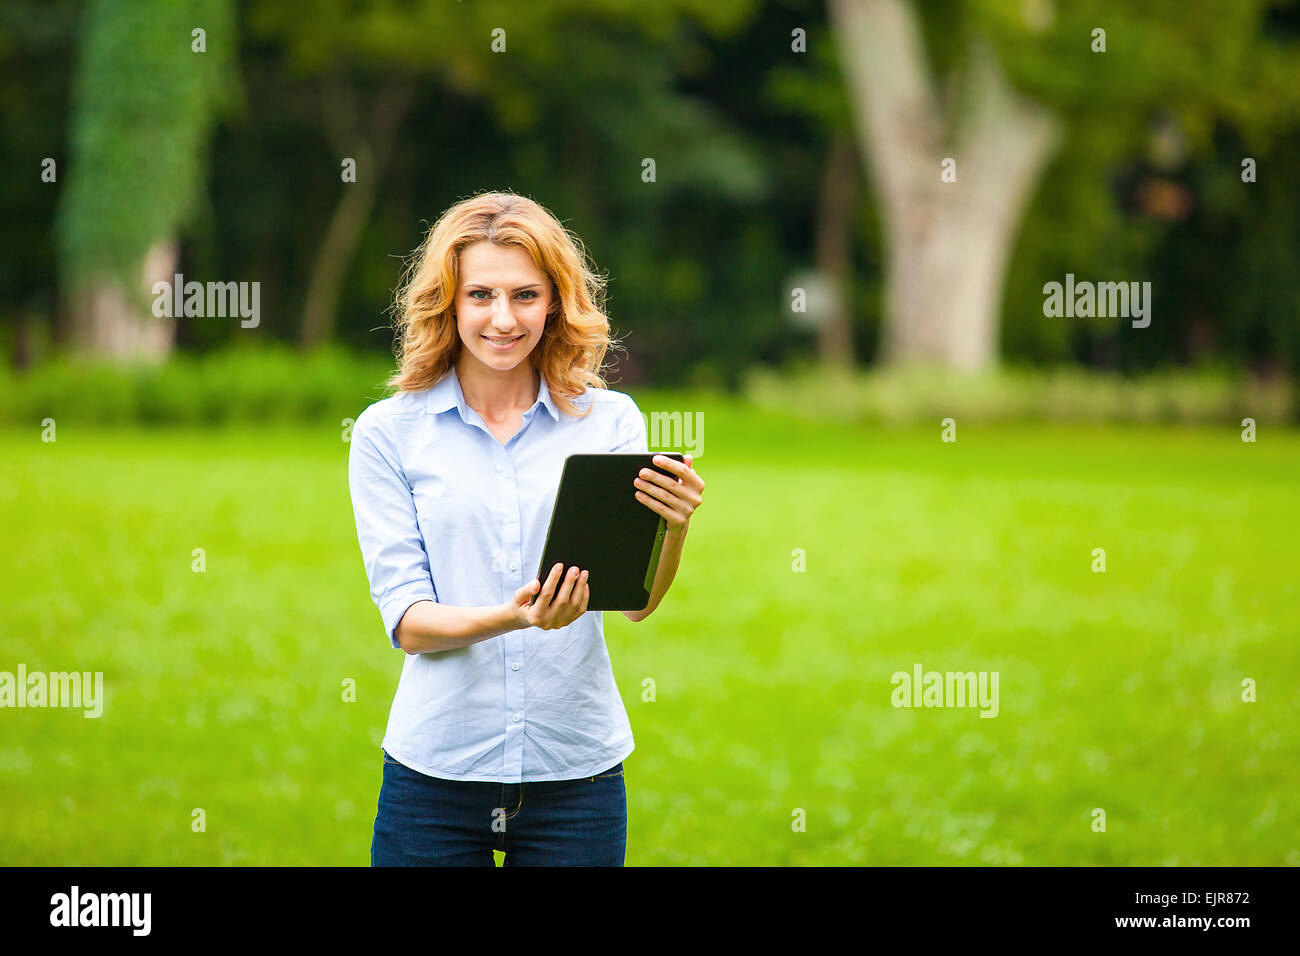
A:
36,40
517,57
960,106
150,80
815,89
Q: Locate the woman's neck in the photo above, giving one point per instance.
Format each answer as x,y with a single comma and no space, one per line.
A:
495,395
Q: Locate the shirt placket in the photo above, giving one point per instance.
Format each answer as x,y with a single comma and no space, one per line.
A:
512,643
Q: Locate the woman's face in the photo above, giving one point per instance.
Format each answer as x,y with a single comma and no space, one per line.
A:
502,296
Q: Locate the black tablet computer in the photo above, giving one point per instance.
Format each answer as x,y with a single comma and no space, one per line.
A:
598,524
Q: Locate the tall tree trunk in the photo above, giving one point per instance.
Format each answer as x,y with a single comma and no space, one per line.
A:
108,322
371,151
946,243
834,246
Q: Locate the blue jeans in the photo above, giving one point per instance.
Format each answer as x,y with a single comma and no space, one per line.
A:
428,821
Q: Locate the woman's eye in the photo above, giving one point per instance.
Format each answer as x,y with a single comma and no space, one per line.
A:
480,293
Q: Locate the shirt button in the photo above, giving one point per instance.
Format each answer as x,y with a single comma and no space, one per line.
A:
510,518
516,718
514,666
513,566
505,474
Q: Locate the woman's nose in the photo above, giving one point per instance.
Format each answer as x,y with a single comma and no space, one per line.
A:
501,307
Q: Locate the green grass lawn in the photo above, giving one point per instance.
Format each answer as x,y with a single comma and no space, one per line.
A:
1119,690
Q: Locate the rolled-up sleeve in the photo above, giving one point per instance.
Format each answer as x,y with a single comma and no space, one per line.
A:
392,547
630,429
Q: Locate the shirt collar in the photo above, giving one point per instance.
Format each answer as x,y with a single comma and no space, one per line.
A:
446,394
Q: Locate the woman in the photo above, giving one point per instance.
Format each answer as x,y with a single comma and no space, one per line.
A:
507,731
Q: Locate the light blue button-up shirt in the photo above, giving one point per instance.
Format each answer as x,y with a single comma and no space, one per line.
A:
447,513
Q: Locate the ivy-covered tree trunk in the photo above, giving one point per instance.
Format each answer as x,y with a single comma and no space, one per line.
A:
110,323
150,77
950,200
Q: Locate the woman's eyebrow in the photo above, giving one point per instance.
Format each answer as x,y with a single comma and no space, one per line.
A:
475,285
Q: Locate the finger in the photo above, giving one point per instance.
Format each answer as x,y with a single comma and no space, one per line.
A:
579,586
562,608
690,478
586,596
548,592
567,587
687,492
658,507
580,593
667,495
672,464
648,476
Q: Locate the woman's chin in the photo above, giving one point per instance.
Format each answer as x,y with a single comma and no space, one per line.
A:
501,360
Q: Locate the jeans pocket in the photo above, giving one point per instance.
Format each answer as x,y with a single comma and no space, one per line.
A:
388,759
614,771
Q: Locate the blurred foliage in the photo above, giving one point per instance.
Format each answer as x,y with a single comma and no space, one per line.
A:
35,49
269,384
277,383
739,126
921,395
1200,59
145,96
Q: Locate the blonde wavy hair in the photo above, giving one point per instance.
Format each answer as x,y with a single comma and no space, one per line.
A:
576,335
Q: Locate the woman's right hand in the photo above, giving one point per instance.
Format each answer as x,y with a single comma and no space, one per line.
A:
551,609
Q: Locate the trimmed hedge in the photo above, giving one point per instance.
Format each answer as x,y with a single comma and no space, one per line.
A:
271,384
263,385
925,394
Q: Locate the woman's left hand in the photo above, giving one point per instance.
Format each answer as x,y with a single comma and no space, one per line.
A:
674,499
